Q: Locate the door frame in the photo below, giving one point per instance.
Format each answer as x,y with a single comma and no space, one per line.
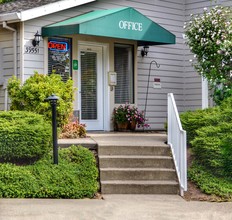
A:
106,90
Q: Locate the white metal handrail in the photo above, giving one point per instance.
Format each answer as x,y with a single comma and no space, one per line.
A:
177,142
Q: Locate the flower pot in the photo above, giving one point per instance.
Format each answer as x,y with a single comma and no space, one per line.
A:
122,126
132,125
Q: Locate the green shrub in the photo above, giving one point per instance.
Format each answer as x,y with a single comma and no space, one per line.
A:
192,121
210,184
227,103
24,136
5,1
227,154
213,150
74,177
209,132
32,94
17,182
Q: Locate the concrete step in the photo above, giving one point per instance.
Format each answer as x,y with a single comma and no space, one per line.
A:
139,187
137,167
162,150
134,161
85,142
137,174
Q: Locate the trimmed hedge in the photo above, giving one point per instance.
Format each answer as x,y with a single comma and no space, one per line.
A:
24,136
76,176
210,184
16,181
194,120
213,149
210,135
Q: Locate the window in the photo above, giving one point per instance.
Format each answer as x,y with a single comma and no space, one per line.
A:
124,67
59,57
88,85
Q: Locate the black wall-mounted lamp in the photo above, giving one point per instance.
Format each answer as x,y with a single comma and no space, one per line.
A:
37,39
144,51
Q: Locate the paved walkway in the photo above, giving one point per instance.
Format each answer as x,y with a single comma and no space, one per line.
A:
114,207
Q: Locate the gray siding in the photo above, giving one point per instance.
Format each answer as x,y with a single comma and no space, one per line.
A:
6,62
170,15
6,45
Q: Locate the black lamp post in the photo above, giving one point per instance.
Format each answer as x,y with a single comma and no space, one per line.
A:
53,101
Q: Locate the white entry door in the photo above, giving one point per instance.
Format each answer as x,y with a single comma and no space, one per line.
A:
91,87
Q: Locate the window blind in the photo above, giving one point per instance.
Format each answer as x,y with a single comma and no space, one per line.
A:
123,65
88,85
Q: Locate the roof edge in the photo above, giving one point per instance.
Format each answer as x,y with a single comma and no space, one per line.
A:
42,10
12,17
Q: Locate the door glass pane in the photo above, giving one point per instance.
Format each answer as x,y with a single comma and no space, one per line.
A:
88,85
123,65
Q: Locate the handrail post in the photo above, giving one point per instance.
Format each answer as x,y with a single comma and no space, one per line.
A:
177,142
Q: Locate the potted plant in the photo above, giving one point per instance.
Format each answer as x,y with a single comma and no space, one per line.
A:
128,117
120,119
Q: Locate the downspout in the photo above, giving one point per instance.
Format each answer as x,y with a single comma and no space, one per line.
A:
4,24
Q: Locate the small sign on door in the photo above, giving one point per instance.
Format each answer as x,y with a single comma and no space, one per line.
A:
75,64
157,83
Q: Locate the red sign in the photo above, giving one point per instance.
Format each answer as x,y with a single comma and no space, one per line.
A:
58,46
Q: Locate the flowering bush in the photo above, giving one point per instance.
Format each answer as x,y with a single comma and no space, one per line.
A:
127,113
210,39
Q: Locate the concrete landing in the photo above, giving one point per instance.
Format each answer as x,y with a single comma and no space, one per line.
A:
117,138
129,138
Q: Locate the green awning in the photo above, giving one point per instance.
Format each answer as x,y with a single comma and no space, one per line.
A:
123,23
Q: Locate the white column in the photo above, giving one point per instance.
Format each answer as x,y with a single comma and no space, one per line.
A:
205,93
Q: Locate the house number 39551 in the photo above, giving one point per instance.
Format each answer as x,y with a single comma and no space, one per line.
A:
33,50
